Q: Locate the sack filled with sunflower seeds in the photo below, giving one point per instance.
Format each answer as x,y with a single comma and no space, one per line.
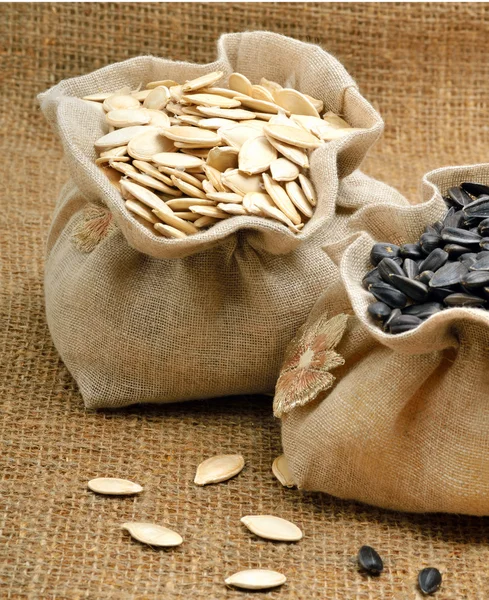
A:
185,251
383,393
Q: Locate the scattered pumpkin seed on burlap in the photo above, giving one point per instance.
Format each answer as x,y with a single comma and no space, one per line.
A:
256,139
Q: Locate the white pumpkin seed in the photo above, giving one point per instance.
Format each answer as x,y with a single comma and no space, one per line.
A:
168,217
176,93
241,183
112,175
226,197
212,100
227,93
256,579
216,123
258,105
208,211
205,222
274,213
188,188
183,176
256,155
335,121
240,83
261,93
235,114
157,117
283,169
100,97
296,155
142,211
127,117
239,134
187,216
271,86
143,195
157,99
281,199
272,528
223,157
177,160
253,200
292,135
114,152
169,231
232,209
308,189
295,193
223,466
295,102
153,183
122,101
186,203
113,486
318,104
192,135
189,120
282,472
265,116
203,81
122,167
153,535
149,169
140,95
214,176
120,137
162,83
107,159
145,145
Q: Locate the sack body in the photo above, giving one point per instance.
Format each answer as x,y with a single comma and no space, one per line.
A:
137,317
405,424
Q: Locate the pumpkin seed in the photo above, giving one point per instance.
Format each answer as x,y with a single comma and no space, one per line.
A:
142,211
252,201
177,160
308,189
145,145
216,123
112,486
232,209
258,105
120,101
295,102
127,117
235,114
203,81
144,195
261,93
292,136
209,211
272,528
148,168
298,198
226,197
188,188
119,137
256,155
169,218
168,83
256,579
223,158
219,468
153,183
153,535
281,199
282,169
205,222
157,99
292,153
282,472
240,83
169,231
241,183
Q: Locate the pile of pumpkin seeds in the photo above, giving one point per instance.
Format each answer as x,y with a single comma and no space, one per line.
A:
186,156
223,467
447,267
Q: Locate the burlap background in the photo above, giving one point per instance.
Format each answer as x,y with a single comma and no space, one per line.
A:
425,66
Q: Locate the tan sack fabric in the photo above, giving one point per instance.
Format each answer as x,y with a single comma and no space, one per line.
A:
141,318
405,424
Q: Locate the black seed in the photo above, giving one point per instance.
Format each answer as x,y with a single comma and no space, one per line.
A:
388,294
429,580
476,189
371,277
482,253
485,292
484,227
455,250
484,243
438,226
481,264
448,202
478,208
434,260
423,311
439,294
456,235
411,251
450,274
459,196
404,323
453,218
464,300
410,268
396,312
415,290
431,230
379,311
387,267
383,250
468,259
476,279
471,222
425,277
369,560
429,241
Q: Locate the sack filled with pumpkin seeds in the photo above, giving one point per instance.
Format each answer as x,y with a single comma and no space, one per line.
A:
185,251
383,394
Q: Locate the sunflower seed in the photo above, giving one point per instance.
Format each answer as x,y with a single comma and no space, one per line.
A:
153,535
475,279
425,277
476,189
455,250
388,294
410,268
413,289
219,468
370,561
272,528
429,242
112,486
282,472
371,277
383,250
464,300
404,323
459,196
455,235
422,311
256,579
481,264
450,274
379,311
429,580
478,208
436,259
388,267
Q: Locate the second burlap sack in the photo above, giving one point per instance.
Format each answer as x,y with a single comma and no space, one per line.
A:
141,318
398,421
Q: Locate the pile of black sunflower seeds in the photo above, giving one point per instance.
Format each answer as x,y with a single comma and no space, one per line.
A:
448,267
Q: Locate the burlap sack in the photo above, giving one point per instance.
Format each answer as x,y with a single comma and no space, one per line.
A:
140,318
405,423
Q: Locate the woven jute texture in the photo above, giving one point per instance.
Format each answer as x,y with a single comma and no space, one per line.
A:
425,66
413,405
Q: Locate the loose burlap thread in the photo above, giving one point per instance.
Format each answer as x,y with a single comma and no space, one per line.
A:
144,318
406,424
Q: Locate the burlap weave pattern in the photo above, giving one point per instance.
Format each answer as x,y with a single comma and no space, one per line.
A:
60,542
